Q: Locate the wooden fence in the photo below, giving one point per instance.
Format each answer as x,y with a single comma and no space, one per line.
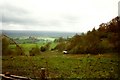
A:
9,76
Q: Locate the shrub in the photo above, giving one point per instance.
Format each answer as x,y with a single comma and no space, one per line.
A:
47,46
34,51
61,46
19,51
5,45
42,49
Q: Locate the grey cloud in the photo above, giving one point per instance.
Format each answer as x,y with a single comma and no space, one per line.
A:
15,15
13,9
71,19
61,21
17,20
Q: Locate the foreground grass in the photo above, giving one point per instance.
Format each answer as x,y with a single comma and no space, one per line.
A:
59,65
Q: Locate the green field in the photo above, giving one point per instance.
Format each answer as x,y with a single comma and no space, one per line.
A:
59,65
28,46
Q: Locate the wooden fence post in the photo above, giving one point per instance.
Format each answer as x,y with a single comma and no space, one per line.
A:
7,74
43,74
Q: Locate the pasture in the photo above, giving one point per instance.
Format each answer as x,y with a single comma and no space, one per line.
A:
59,65
28,46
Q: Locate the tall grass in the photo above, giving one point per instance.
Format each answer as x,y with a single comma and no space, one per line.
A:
59,65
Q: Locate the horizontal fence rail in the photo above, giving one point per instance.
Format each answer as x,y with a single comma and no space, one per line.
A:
7,76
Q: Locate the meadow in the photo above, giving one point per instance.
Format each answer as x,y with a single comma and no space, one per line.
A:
28,46
91,55
59,65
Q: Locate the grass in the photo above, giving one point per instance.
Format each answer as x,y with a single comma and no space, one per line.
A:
25,47
53,45
60,65
28,46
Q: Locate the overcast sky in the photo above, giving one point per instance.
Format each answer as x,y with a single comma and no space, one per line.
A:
56,15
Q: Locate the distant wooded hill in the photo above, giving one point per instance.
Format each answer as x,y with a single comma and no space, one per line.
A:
105,39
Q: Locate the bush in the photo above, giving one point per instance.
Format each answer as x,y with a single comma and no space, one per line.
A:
74,50
5,45
47,46
34,51
19,51
78,49
43,49
61,46
106,46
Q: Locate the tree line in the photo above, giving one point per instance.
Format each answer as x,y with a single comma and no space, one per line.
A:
105,39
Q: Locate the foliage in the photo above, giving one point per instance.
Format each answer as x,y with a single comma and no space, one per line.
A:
5,47
6,50
34,51
104,39
19,51
45,47
5,44
60,46
60,39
